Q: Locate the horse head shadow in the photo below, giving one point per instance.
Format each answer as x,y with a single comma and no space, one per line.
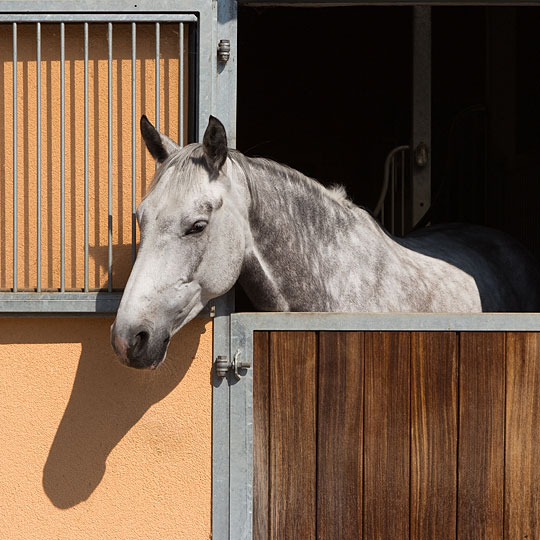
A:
106,401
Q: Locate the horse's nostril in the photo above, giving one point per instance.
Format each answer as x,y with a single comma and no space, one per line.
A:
141,339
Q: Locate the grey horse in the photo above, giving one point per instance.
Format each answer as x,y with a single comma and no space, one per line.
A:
213,216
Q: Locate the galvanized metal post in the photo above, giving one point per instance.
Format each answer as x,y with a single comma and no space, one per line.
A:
231,476
181,84
15,163
85,157
158,76
38,156
110,161
133,142
62,157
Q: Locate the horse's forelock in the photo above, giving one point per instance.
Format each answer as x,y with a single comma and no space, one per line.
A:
184,168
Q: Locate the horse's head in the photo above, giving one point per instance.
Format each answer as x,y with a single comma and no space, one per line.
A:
192,243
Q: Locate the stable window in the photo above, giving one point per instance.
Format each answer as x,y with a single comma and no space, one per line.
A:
74,167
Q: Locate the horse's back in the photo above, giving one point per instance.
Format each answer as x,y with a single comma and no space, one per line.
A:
505,272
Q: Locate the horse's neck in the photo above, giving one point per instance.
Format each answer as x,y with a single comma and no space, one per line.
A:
301,245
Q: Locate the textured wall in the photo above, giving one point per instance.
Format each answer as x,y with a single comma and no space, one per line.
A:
94,450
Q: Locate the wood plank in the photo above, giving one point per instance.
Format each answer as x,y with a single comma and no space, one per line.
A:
522,467
339,444
261,436
293,412
386,435
434,435
481,435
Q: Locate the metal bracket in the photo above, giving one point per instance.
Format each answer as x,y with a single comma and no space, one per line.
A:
224,50
421,155
223,365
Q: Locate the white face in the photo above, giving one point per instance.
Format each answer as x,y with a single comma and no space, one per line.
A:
192,248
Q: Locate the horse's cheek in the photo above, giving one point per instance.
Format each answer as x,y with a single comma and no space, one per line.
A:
221,265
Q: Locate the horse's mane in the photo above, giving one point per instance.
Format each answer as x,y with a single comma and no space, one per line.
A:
254,168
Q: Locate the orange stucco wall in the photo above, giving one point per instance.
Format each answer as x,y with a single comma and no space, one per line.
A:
94,450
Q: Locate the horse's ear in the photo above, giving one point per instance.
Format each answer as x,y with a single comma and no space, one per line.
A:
215,145
159,145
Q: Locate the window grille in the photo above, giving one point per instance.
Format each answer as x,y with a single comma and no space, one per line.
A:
73,166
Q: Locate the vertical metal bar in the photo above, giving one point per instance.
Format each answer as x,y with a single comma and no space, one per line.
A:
38,155
402,192
392,197
15,150
420,193
133,142
224,306
158,87
109,180
85,157
181,85
62,157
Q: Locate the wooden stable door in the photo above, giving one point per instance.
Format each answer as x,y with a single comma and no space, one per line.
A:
396,435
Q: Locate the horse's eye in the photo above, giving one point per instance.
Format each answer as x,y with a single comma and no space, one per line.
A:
197,227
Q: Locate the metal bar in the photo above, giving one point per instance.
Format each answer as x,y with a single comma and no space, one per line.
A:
85,157
223,306
89,303
62,157
158,82
109,151
384,189
48,303
420,192
38,155
436,322
133,142
241,449
15,164
181,84
96,17
402,192
393,197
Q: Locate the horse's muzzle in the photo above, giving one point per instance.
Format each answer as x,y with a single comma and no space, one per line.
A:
139,347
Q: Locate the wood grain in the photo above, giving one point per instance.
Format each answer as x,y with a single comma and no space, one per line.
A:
261,436
481,435
522,467
434,435
293,412
386,435
339,445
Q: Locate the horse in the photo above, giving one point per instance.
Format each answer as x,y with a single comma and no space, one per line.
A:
213,217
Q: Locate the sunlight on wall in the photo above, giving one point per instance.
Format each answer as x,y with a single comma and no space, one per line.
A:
94,450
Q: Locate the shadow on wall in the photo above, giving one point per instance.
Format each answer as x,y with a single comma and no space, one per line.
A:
107,400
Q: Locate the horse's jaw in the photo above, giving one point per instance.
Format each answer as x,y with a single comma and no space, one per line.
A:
193,308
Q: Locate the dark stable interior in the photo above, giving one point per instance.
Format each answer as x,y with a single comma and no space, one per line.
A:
328,92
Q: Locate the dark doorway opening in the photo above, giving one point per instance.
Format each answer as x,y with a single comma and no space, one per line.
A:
328,92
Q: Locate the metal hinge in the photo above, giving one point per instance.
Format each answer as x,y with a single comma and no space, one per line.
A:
223,365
